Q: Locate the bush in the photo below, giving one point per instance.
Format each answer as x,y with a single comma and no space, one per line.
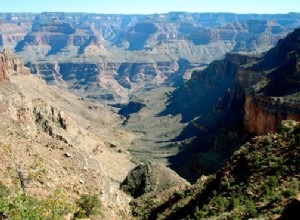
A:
268,140
79,215
233,203
251,211
57,206
289,192
88,203
4,191
273,181
225,185
265,190
25,208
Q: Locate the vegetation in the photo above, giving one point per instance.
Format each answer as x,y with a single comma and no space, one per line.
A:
15,205
88,203
260,181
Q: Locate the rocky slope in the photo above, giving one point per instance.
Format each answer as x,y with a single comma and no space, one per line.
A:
3,70
150,177
59,142
260,181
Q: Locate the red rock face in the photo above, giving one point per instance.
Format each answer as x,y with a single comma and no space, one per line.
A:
264,114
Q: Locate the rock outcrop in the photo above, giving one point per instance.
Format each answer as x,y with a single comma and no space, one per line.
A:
149,177
58,35
275,77
11,64
3,69
264,114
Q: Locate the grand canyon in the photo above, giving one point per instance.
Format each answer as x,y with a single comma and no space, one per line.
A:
161,116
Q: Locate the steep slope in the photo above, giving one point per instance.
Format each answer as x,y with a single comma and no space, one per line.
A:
276,97
59,142
260,181
221,107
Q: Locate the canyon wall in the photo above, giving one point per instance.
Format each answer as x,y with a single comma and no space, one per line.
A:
276,97
264,114
113,78
110,56
233,97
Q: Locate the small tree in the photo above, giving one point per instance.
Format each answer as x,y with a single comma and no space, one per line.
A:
88,203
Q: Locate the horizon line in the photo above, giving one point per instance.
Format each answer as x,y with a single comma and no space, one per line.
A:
155,13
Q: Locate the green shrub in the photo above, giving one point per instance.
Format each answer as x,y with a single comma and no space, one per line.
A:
265,190
233,203
57,206
180,194
225,185
289,192
251,211
79,214
273,181
88,203
4,191
268,140
22,208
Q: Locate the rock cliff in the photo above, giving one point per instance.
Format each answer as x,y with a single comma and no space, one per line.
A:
11,64
107,81
276,97
251,92
274,77
264,114
66,38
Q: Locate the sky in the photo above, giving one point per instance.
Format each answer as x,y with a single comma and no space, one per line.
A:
151,6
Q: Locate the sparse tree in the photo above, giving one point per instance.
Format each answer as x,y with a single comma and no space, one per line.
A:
88,203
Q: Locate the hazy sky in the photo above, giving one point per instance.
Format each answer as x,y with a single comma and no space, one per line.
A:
151,6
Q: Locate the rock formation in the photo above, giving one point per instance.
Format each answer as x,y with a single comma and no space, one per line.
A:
111,79
264,114
160,42
251,92
150,177
276,97
3,69
11,64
